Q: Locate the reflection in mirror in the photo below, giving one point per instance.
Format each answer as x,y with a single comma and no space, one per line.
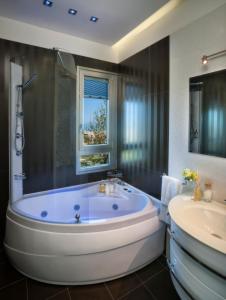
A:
208,114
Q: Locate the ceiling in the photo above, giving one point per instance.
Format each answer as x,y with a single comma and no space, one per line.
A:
116,17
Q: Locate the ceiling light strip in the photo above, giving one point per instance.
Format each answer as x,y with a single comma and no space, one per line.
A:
165,9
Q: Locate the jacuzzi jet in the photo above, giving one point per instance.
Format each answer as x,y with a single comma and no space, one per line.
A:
77,218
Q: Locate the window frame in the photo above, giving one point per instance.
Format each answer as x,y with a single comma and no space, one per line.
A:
111,146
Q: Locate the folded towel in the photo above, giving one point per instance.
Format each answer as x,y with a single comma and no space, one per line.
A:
170,188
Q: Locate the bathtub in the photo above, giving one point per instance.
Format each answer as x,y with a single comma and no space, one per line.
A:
76,235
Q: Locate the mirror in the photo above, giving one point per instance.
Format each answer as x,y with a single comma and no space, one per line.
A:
208,114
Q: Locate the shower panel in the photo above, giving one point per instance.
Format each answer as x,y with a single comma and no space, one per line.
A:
17,136
16,128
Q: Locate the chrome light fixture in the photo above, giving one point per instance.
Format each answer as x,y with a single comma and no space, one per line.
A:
206,58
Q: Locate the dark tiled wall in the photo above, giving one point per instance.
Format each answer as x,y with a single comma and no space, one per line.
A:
39,108
144,82
143,113
64,173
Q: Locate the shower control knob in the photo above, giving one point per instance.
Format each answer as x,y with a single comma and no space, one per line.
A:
18,153
20,114
20,176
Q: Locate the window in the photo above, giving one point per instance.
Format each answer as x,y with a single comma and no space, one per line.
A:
96,121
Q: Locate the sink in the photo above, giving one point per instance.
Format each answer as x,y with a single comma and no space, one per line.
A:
204,221
197,256
208,220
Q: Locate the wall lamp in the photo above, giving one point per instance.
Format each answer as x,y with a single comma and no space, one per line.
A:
206,58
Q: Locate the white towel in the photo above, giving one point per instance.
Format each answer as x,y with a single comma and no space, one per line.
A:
170,188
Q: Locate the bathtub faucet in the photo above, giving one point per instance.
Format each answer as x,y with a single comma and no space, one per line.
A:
120,182
77,217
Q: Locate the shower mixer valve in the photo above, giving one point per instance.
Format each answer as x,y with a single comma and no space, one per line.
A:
18,152
20,114
20,176
18,135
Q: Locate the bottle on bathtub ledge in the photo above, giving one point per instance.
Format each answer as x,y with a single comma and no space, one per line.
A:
110,187
102,187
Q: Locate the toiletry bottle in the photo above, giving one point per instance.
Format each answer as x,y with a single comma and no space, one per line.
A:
208,192
107,189
112,186
102,187
197,191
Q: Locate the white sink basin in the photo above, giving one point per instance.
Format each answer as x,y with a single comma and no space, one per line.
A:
210,221
204,221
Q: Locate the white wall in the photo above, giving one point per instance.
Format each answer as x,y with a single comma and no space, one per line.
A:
37,36
185,13
205,36
182,15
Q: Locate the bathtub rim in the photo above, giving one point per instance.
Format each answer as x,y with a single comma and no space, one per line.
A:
109,224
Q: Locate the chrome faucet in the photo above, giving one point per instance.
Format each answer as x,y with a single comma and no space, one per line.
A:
77,217
120,182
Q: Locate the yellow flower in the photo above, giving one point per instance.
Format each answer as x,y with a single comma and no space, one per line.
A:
190,175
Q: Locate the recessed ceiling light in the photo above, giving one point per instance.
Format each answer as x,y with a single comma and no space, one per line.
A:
72,11
93,19
48,3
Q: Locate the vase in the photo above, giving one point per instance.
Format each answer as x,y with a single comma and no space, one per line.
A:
188,186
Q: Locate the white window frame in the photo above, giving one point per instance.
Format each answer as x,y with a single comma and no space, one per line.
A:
111,146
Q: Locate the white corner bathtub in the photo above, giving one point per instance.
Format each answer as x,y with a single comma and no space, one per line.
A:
117,234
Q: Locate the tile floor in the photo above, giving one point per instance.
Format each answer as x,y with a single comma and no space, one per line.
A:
151,283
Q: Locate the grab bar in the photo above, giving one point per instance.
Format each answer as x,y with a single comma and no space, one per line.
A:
170,265
194,258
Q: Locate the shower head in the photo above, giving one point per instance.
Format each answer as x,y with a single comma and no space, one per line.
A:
29,81
66,60
58,51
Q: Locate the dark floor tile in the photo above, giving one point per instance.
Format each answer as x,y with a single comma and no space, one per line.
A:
64,295
89,292
41,291
16,291
8,274
163,261
3,257
121,286
138,294
150,270
162,287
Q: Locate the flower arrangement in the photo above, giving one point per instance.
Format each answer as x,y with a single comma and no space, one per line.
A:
190,175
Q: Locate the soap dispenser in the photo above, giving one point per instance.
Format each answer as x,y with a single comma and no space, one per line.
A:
208,192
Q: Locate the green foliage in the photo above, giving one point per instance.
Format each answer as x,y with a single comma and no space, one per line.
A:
96,132
94,159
